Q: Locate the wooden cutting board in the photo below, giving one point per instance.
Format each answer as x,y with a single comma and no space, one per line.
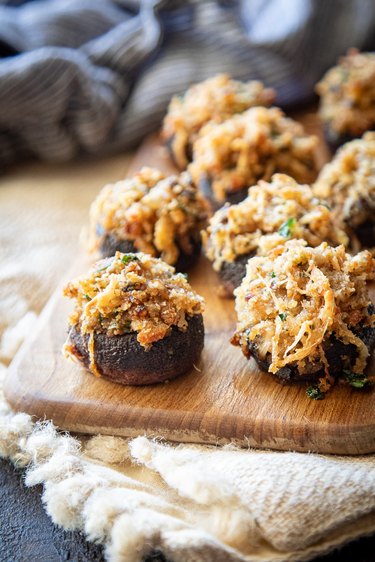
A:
225,399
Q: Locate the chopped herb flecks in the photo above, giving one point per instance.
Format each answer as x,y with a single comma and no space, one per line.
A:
286,229
129,288
314,393
104,267
127,327
273,274
282,315
356,380
129,257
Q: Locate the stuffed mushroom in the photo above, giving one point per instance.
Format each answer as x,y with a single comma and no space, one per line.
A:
151,213
271,214
305,314
347,184
135,321
215,99
347,98
230,156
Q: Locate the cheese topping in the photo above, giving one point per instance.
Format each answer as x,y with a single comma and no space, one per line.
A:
348,182
132,293
159,215
347,93
215,99
252,146
294,298
271,214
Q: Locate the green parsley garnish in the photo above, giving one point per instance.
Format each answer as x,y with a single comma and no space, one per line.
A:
105,267
129,257
273,274
314,393
355,380
127,327
107,262
286,229
282,315
87,297
130,288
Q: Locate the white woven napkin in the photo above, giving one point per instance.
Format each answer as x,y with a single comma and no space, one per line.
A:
195,503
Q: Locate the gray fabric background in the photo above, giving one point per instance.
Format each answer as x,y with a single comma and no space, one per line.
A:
95,76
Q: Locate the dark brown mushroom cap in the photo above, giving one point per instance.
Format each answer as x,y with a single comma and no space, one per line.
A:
335,140
232,197
110,244
339,356
365,233
174,157
122,359
232,273
361,221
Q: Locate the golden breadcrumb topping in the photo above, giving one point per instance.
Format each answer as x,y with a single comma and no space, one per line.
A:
347,93
160,215
215,99
132,293
271,214
294,298
252,146
348,182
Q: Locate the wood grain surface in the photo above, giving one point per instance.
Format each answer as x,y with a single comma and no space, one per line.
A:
225,398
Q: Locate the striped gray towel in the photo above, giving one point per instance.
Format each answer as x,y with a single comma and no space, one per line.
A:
95,76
